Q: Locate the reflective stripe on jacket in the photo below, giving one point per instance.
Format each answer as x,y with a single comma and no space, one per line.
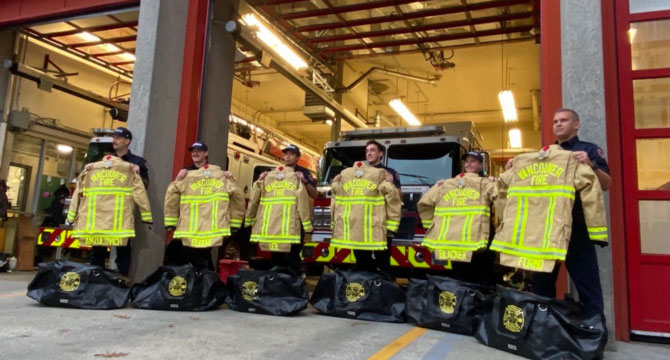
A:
537,195
457,216
203,206
102,204
363,207
278,207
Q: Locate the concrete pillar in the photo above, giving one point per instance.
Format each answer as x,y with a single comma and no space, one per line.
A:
584,91
152,117
6,53
218,83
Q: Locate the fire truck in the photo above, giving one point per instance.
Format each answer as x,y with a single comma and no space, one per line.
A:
421,156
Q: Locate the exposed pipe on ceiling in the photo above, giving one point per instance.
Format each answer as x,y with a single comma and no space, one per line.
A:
248,41
40,77
360,79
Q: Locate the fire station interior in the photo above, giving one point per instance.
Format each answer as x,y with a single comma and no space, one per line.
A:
444,62
70,77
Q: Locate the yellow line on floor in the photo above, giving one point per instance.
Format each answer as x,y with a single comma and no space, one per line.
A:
398,344
11,295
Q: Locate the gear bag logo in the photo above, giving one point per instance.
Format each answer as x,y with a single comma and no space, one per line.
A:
513,318
249,290
69,281
447,302
177,286
354,292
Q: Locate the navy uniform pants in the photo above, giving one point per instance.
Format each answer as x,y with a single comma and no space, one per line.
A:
582,264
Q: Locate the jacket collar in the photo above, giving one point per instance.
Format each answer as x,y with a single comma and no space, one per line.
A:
570,142
464,175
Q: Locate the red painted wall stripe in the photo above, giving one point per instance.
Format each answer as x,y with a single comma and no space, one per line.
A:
191,82
617,220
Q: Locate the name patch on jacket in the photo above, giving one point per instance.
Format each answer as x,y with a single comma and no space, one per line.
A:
458,196
107,177
539,172
278,187
358,186
206,186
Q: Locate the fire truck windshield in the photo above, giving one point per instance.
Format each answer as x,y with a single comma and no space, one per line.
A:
338,159
96,150
424,164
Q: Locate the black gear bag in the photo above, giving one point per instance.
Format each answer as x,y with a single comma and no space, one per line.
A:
537,327
359,295
443,303
272,292
73,285
180,288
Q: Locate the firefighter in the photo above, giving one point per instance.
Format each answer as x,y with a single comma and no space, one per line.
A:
381,259
121,141
292,259
175,252
581,260
481,269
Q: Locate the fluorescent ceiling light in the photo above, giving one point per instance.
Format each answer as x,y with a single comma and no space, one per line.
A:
272,41
506,99
64,149
515,138
329,122
87,36
404,112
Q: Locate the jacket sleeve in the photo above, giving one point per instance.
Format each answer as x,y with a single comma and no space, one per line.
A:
236,203
393,205
141,199
335,189
172,204
74,202
588,186
501,187
304,209
254,203
426,206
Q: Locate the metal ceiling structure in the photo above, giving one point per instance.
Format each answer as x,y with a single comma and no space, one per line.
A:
108,40
348,29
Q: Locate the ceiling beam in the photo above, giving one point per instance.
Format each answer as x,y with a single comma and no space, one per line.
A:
413,15
344,9
274,2
115,40
438,38
92,29
420,28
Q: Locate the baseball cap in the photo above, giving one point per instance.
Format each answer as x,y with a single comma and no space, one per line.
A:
474,154
123,132
291,147
198,145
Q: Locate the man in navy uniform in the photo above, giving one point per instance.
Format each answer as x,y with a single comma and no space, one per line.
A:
292,259
581,260
121,141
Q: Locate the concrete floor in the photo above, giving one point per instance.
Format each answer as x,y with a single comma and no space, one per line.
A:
31,331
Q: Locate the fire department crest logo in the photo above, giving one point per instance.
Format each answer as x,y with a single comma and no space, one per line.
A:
354,292
447,302
177,286
513,318
69,281
249,290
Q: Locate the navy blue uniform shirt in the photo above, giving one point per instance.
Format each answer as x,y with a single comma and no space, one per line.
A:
305,173
396,178
139,161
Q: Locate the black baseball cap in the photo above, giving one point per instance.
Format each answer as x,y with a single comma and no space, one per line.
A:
474,154
291,147
123,132
198,145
